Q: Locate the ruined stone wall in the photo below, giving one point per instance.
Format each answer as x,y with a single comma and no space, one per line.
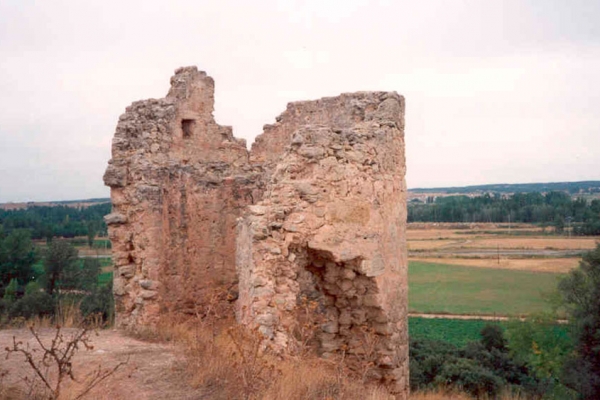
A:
331,230
178,182
314,214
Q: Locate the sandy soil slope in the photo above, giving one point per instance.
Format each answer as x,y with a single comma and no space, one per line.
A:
153,371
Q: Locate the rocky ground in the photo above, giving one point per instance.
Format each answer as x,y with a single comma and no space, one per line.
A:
151,371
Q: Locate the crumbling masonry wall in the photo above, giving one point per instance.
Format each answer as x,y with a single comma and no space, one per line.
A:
331,229
315,212
178,183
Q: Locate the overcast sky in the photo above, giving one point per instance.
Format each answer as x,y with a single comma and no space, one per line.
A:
496,91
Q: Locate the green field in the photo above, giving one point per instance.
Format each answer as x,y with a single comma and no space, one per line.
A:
451,289
104,278
105,261
455,331
460,332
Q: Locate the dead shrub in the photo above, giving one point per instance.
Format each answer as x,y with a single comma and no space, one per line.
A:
364,359
306,328
253,364
51,363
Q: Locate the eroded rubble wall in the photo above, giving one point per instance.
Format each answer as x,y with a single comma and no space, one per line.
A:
314,214
330,230
178,183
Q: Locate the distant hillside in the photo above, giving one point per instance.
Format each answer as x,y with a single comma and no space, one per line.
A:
66,203
571,187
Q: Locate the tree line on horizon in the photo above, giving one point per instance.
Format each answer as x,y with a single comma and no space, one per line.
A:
46,222
555,208
573,188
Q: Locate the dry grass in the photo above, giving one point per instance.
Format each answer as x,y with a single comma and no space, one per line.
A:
506,242
449,395
435,244
430,236
215,367
439,395
229,361
536,243
556,265
316,379
87,251
472,246
430,231
68,315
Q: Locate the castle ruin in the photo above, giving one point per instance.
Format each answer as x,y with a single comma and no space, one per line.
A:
315,212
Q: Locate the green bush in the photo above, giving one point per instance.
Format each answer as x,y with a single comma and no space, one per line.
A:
38,304
427,357
99,301
10,292
33,287
492,337
481,368
580,291
88,274
470,377
503,365
541,344
4,307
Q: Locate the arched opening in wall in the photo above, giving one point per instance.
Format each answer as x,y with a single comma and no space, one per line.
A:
353,322
187,127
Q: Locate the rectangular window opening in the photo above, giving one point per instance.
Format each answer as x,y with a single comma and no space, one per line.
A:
187,126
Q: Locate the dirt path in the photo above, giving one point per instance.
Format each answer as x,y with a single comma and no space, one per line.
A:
482,253
153,371
472,316
555,265
460,316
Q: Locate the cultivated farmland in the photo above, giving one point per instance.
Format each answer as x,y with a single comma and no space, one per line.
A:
450,289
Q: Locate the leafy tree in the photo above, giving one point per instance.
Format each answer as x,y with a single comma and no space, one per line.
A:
17,256
469,376
559,224
581,294
44,222
492,337
482,368
549,209
38,304
10,292
88,275
92,231
32,287
61,266
538,343
427,357
589,228
99,302
595,206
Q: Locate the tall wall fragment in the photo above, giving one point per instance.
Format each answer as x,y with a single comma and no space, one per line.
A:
331,230
315,213
178,182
